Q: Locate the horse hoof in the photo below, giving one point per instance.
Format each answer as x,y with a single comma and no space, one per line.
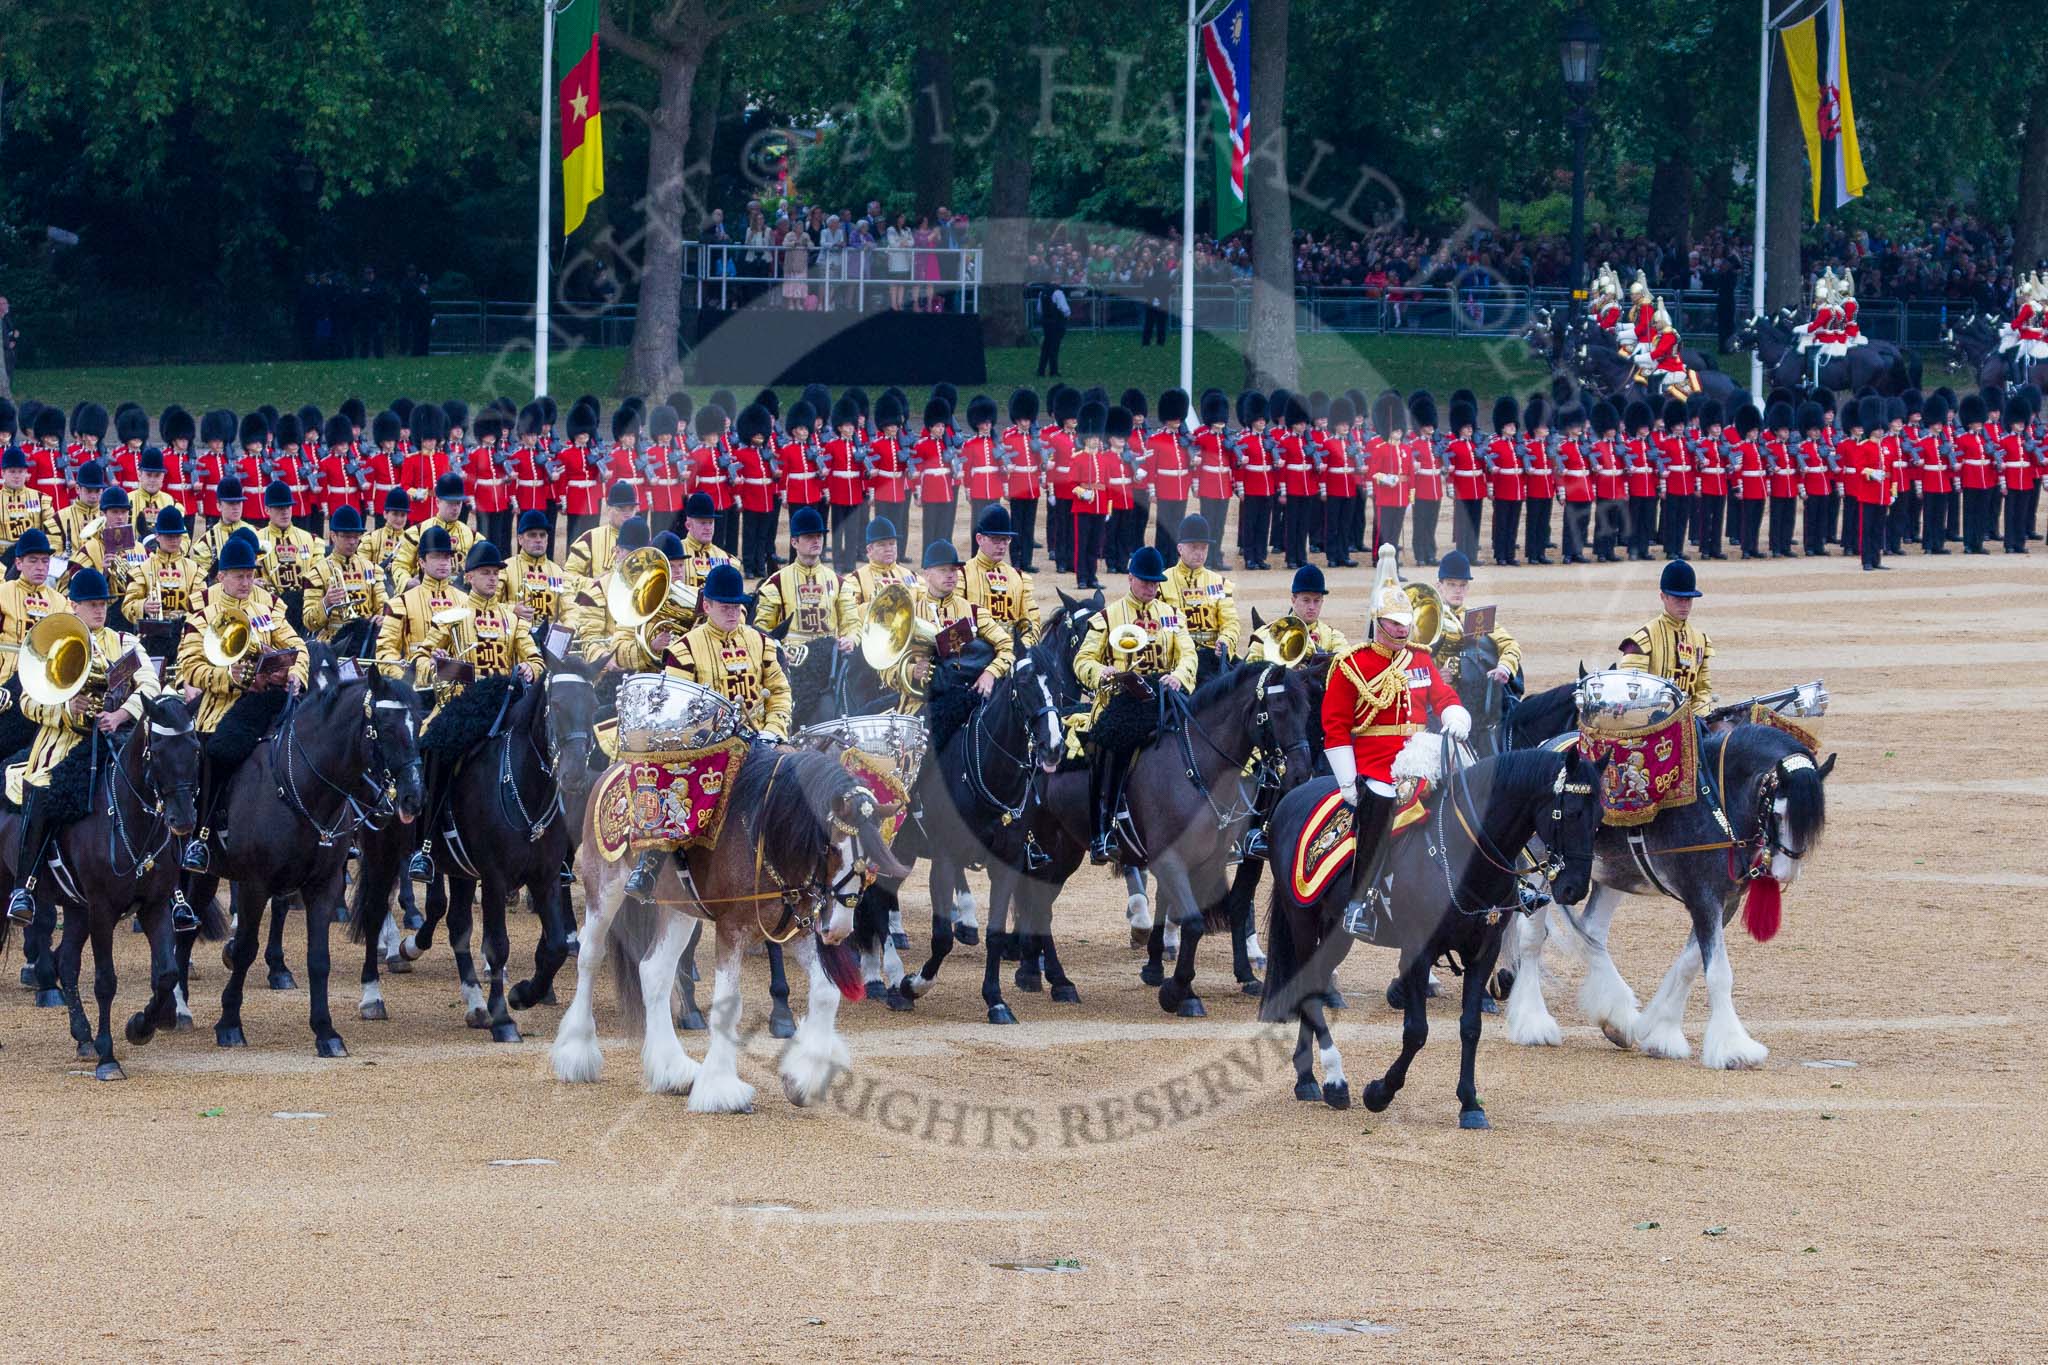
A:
574,947
1473,1118
396,965
409,949
138,1031
900,939
109,1071
1000,1014
1307,1090
374,1011
184,1024
549,998
225,1036
1333,999
1338,1096
1140,937
1030,981
1183,1006
330,1047
283,981
692,1021
781,1023
28,975
520,996
1011,953
1503,984
1169,953
1488,1005
1252,988
506,1032
1152,974
478,1017
898,1001
1616,1037
1397,996
1378,1097
51,999
86,1051
966,934
1069,994
227,955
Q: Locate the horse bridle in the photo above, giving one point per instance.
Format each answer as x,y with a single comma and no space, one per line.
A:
1007,813
377,775
1556,859
1268,756
150,799
1765,841
802,905
510,802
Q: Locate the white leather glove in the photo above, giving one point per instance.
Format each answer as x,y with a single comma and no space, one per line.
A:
1457,722
1344,765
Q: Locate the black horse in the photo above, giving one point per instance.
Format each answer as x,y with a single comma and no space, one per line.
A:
1455,888
1501,719
1876,363
128,799
285,821
1974,342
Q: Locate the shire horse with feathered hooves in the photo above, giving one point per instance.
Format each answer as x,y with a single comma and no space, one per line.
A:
109,788
777,847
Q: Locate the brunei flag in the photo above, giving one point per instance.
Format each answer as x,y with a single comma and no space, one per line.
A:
1817,59
576,94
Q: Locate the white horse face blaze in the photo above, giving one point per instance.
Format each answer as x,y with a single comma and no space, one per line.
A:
1784,866
840,923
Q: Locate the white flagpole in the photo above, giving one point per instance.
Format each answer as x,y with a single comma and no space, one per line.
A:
1763,132
1187,219
542,236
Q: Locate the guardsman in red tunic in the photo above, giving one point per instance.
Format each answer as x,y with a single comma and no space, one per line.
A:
1610,483
664,491
46,457
1539,480
577,488
1390,470
1253,455
252,466
1903,517
1782,480
287,463
527,465
1380,694
622,463
1023,478
131,430
1092,468
2022,479
1169,470
1936,479
1332,438
421,473
1867,477
1751,476
339,473
1976,472
1681,475
1057,442
489,473
177,429
1642,477
1815,480
846,488
884,462
1298,483
213,463
980,458
1504,478
1467,469
1426,456
1120,502
1574,481
382,463
1215,472
802,463
937,469
1711,508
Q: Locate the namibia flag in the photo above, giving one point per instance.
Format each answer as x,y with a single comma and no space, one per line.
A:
1817,59
576,94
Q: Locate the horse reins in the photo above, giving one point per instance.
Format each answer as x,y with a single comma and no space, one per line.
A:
354,813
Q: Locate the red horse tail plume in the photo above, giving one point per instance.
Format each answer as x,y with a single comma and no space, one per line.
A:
1763,908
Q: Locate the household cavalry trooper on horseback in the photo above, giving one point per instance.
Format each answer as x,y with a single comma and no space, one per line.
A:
2027,334
61,726
938,602
1603,306
1833,328
724,653
1206,599
478,639
998,589
224,677
344,585
802,597
1138,643
1453,581
1379,694
1671,646
1662,360
1280,642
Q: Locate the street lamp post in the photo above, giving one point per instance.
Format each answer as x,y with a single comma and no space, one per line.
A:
1579,54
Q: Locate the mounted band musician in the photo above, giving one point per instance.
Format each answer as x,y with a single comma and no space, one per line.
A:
1135,646
162,589
1302,634
998,589
1671,646
344,585
1207,600
945,623
1458,632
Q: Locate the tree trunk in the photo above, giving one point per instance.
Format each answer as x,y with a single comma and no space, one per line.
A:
1670,211
656,366
1787,195
1005,319
1271,357
931,113
706,98
1712,189
2030,224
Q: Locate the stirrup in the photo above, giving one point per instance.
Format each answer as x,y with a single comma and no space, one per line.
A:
1254,843
1099,849
194,858
640,883
21,906
1034,856
420,867
184,919
1362,916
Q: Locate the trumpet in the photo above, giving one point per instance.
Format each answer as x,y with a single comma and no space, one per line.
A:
1124,643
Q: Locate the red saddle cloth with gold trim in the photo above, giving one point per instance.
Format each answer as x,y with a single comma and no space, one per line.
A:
1323,848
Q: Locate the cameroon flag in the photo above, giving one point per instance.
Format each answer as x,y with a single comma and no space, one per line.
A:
582,129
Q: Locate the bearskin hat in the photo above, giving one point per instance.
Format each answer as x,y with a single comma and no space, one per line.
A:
254,431
1570,417
683,406
1934,410
175,425
429,423
846,413
384,427
550,409
353,409
403,407
339,432
710,422
859,398
1119,423
1094,419
289,431
1851,415
131,424
1173,406
1913,401
9,416
937,411
1636,417
1276,406
1251,407
1389,413
1506,412
1066,405
817,395
1808,416
457,413
1605,420
1747,420
1894,410
2031,395
981,411
663,421
1710,414
531,419
1778,417
625,421
1422,408
1024,405
1781,394
489,426
589,400
1318,406
947,394
1467,397
1536,414
1870,408
48,424
268,412
1340,412
1133,402
800,417
756,424
217,424
2017,413
1095,393
1674,413
582,422
310,418
1297,412
1215,409
767,400
890,411
89,419
1971,410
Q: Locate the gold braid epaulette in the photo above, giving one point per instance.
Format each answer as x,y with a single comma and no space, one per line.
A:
1383,690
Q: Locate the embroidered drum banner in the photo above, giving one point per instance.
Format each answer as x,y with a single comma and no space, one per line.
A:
1650,769
666,801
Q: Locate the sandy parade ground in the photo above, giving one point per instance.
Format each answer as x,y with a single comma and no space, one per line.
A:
1874,1191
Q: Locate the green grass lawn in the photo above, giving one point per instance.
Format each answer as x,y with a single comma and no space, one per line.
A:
1330,361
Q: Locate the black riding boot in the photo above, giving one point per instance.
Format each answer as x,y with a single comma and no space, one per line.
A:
194,858
21,906
1370,822
1103,783
640,883
436,772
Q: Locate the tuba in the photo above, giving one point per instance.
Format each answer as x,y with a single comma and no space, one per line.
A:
1429,615
643,596
894,630
1291,640
228,641
1124,643
57,659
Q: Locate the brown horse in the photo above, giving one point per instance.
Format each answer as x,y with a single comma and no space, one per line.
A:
801,843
